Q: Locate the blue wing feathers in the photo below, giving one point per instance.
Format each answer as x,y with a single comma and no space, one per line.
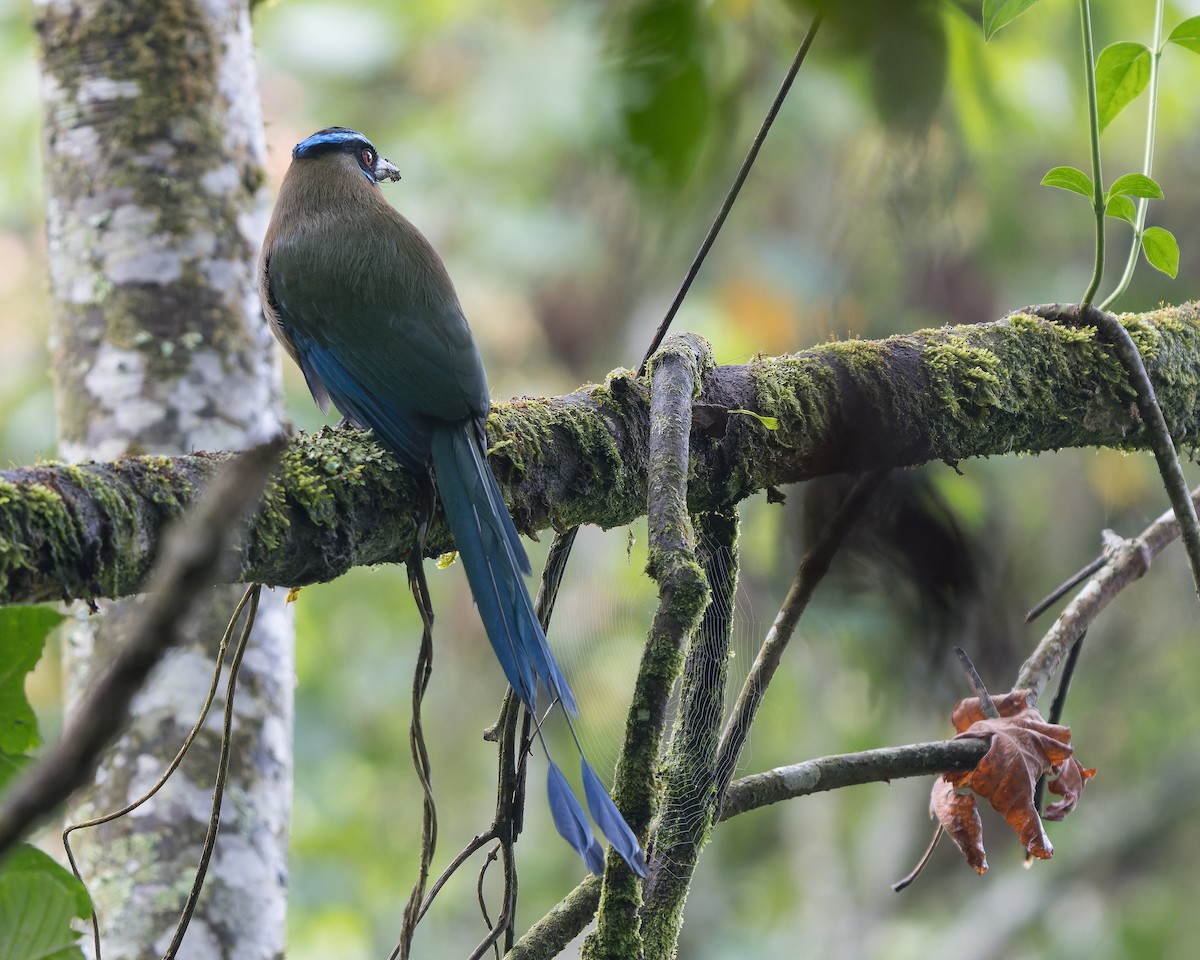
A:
493,558
406,436
608,818
481,525
569,819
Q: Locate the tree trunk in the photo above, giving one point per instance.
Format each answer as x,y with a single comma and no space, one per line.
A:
154,155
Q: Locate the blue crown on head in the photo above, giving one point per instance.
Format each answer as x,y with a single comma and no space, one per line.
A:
331,138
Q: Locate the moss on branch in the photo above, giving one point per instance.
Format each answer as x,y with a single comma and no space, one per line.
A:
1021,384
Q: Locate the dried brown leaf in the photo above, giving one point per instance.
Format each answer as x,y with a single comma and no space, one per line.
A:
1068,782
1023,747
959,817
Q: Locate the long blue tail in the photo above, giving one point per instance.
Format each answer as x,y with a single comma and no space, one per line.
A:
495,562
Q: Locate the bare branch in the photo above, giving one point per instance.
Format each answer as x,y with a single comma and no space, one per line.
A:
550,935
1124,562
847,770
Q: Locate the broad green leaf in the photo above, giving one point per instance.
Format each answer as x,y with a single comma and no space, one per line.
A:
1136,185
1069,178
997,13
1121,208
1122,73
38,900
1161,250
22,635
1187,34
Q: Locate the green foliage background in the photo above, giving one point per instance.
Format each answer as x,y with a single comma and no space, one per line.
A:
565,159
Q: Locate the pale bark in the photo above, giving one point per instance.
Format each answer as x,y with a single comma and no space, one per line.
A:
154,155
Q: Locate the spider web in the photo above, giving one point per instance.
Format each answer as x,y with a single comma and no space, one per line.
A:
605,607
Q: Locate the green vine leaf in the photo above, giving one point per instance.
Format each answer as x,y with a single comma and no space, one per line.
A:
1121,208
1122,73
1136,185
1069,178
998,13
1187,34
1162,250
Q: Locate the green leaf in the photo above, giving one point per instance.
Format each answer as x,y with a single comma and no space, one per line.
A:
997,13
1136,185
1122,73
38,900
1069,178
22,636
1187,34
1121,208
771,423
1161,250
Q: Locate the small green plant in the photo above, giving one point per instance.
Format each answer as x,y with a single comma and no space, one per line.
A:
1122,72
1158,243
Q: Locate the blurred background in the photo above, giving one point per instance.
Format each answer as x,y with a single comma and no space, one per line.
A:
566,160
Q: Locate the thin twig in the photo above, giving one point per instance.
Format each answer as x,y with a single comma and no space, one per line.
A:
214,819
420,755
850,769
734,189
907,880
1126,561
479,897
492,940
226,639
1161,442
510,890
986,704
1063,589
1057,706
552,574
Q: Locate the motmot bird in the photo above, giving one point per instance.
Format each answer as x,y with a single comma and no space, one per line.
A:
363,304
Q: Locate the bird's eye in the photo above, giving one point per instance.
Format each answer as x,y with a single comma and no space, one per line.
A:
368,156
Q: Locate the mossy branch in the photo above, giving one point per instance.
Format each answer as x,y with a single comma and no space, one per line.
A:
676,373
1021,384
